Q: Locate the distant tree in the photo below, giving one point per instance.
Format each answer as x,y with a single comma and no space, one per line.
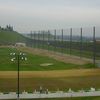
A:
2,28
9,28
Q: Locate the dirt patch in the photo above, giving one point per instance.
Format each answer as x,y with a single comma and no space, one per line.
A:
57,56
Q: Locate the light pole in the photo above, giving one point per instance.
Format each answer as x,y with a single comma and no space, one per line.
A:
17,57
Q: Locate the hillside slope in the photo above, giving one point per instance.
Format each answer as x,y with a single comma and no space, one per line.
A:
11,37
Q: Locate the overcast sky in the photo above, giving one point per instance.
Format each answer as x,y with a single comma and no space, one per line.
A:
27,15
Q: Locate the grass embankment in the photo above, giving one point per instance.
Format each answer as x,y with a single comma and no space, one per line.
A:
10,37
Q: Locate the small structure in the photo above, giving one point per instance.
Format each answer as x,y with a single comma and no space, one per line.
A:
92,89
20,45
41,89
70,90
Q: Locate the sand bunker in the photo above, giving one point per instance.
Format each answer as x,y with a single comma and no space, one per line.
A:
46,64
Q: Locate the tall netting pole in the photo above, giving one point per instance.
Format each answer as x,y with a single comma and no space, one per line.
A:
81,42
70,41
48,39
55,40
62,41
31,38
34,40
43,40
38,38
94,47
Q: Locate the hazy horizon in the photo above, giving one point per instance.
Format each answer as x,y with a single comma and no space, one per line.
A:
30,15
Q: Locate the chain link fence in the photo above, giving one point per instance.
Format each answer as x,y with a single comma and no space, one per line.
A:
81,42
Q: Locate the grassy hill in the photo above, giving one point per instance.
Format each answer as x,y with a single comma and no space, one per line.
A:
11,37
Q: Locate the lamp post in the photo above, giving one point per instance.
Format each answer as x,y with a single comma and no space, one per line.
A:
17,57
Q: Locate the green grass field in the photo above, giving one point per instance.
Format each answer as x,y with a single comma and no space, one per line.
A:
34,62
52,83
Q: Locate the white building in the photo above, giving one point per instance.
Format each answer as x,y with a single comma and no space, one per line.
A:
20,44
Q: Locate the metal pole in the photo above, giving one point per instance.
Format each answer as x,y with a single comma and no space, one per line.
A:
55,40
62,41
48,39
34,38
43,39
38,38
94,47
18,62
70,41
81,43
66,43
31,37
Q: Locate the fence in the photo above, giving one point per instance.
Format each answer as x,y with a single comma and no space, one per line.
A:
82,42
58,94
